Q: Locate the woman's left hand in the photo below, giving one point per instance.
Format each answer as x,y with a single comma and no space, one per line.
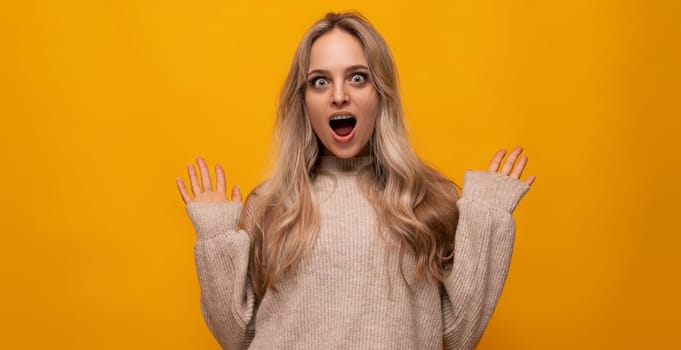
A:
508,168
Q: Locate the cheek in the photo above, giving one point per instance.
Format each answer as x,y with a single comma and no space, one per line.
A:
370,106
309,104
314,110
314,101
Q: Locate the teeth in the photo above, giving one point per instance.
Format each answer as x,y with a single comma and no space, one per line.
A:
341,117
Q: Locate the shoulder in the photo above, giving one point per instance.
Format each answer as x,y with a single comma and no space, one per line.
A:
450,189
442,185
252,204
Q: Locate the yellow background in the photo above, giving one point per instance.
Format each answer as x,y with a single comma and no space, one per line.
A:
103,104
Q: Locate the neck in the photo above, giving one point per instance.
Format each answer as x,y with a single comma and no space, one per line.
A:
350,166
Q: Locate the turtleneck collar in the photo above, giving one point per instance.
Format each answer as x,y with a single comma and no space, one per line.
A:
349,166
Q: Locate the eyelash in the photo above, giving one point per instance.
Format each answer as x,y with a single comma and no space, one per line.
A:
365,76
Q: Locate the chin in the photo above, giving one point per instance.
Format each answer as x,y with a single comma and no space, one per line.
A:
345,153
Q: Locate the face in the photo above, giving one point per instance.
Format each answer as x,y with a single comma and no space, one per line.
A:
340,99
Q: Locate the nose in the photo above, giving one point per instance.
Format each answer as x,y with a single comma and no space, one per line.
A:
339,97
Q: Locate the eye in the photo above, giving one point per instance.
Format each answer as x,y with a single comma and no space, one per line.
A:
358,78
319,82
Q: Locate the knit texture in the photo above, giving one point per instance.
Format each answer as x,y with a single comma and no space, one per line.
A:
349,293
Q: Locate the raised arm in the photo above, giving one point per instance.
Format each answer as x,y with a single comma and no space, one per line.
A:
482,249
221,254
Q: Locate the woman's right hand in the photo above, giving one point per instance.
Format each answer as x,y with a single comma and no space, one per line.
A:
203,192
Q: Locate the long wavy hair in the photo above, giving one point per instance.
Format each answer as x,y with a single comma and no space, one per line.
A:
414,203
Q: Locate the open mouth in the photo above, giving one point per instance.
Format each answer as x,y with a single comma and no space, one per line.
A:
343,125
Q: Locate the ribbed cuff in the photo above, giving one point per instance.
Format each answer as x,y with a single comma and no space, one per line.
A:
212,218
493,189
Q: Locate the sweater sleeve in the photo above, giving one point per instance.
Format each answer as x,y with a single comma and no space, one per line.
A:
221,254
482,253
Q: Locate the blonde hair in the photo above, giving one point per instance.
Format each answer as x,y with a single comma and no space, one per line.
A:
413,202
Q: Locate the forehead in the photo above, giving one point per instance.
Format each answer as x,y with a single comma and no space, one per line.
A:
336,49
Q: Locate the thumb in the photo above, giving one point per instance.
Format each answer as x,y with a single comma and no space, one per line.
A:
236,193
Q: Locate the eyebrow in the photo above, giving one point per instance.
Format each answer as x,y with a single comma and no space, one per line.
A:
351,68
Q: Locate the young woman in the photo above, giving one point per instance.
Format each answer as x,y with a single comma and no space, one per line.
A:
353,242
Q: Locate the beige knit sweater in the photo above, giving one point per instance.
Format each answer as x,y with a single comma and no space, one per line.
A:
348,293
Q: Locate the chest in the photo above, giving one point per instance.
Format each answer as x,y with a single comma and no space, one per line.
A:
348,225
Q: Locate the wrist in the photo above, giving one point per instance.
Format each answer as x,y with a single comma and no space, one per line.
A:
493,189
213,218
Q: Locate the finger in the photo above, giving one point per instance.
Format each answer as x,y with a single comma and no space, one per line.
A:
183,191
511,160
518,170
220,179
530,180
205,175
236,193
494,164
193,180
